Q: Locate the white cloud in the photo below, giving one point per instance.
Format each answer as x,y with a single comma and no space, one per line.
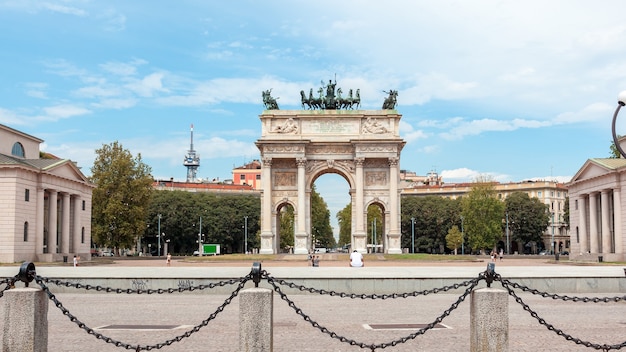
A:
64,111
68,10
147,86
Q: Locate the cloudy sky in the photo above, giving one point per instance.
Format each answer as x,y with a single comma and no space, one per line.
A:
512,89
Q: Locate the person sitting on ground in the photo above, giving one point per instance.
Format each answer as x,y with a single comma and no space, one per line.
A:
356,259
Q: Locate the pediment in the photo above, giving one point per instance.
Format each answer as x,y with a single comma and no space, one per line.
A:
598,167
68,170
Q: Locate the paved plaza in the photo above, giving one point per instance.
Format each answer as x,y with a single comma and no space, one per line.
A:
351,318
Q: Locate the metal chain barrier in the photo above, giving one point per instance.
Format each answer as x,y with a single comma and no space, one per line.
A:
9,282
510,287
140,291
242,281
471,284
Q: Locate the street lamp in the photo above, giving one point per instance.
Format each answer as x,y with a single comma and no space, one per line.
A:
200,238
462,237
508,252
621,101
412,235
159,235
245,243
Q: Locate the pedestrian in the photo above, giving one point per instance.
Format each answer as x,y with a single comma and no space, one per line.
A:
493,256
75,261
169,259
356,259
316,261
501,253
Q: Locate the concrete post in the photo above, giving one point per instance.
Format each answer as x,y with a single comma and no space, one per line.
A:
489,320
25,320
256,320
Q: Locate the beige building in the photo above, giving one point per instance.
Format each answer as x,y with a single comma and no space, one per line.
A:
45,203
597,209
551,193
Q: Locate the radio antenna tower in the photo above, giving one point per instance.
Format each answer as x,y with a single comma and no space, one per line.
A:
192,161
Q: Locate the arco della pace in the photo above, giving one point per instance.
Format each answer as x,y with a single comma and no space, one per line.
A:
298,146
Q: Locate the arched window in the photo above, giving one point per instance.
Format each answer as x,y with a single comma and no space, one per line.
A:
26,231
18,150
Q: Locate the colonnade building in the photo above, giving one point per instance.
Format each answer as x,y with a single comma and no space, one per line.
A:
45,203
597,206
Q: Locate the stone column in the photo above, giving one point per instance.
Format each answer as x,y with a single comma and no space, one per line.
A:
605,210
394,209
256,320
267,237
52,221
582,225
65,223
25,320
358,211
39,228
76,228
593,223
489,320
301,235
617,221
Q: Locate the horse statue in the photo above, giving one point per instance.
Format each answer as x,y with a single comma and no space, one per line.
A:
304,99
316,103
269,102
357,99
391,101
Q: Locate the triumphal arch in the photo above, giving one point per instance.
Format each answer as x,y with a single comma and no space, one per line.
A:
298,146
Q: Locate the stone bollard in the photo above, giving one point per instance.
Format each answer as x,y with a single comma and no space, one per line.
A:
25,320
256,320
489,320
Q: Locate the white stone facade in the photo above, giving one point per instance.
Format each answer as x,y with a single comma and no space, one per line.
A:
45,204
597,207
298,146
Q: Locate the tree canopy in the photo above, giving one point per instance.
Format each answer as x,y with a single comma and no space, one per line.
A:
482,215
527,217
121,197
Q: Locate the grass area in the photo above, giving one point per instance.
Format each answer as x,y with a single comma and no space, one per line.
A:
429,257
232,258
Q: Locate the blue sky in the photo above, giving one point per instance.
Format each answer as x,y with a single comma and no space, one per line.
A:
512,89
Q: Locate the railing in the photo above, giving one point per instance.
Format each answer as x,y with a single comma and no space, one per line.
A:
488,331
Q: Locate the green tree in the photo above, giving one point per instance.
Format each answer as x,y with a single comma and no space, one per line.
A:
433,216
374,224
223,220
121,197
614,152
344,219
287,222
482,215
320,221
528,217
454,238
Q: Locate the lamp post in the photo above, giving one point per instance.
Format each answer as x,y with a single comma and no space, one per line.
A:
200,237
508,252
462,237
553,244
159,235
245,243
621,101
412,235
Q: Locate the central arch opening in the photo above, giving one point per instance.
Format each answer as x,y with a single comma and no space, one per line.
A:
334,190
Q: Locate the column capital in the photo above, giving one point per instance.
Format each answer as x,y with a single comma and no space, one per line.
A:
267,161
301,162
393,161
359,161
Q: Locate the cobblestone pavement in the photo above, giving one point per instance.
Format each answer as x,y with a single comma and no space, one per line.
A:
603,323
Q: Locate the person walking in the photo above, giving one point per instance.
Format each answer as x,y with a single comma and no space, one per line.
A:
75,261
169,259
